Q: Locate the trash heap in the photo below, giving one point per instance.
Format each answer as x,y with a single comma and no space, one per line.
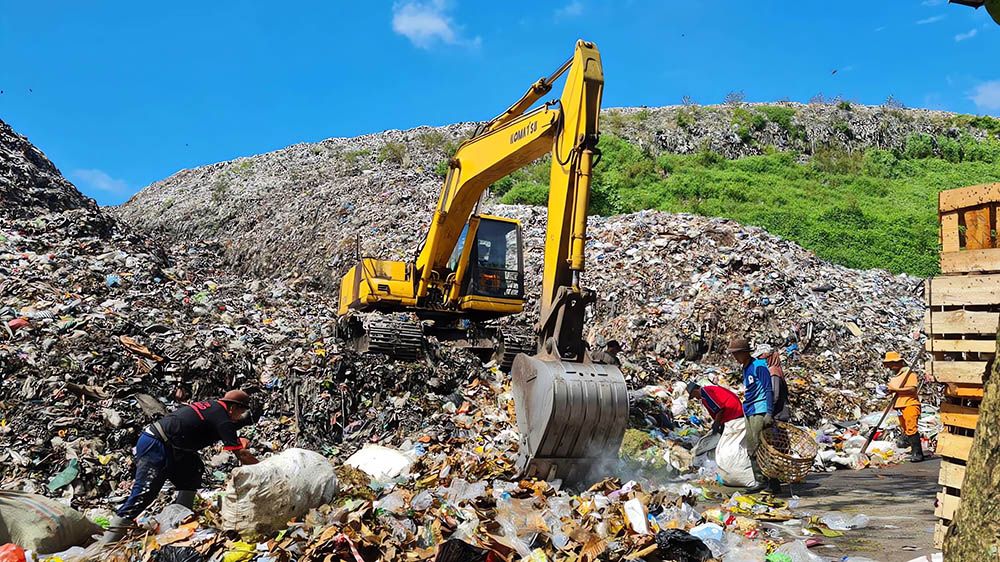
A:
446,494
676,288
101,332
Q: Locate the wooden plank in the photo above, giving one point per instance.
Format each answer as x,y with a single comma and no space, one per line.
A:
940,532
947,506
961,372
949,233
954,446
962,290
955,346
964,390
961,321
951,475
972,196
977,228
959,416
969,261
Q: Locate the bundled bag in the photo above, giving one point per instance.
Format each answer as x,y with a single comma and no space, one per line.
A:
261,498
731,455
40,524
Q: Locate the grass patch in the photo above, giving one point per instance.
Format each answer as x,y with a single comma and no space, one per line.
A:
782,116
393,152
432,140
867,209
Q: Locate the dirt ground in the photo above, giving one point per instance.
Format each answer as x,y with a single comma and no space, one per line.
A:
898,500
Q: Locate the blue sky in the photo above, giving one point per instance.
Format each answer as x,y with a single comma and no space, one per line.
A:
121,94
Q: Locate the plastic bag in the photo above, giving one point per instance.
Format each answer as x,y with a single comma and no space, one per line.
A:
731,455
172,516
10,552
708,531
682,546
40,524
261,498
381,463
519,519
797,551
635,513
177,554
841,522
454,550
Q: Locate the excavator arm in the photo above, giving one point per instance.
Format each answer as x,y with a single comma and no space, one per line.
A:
510,141
571,412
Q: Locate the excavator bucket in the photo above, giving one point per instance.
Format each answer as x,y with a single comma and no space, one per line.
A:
570,415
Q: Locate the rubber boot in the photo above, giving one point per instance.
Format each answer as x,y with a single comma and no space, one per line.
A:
774,486
916,448
116,529
185,498
758,476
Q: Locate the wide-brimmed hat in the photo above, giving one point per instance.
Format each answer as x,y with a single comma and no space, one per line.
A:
237,397
892,357
739,344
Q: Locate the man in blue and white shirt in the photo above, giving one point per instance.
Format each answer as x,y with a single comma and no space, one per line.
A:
758,403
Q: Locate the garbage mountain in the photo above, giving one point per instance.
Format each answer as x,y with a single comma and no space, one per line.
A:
30,183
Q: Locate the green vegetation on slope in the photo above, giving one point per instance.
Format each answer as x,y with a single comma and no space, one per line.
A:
862,210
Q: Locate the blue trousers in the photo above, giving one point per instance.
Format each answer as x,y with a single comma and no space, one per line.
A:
155,463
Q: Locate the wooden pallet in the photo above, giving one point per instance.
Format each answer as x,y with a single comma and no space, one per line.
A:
963,313
968,217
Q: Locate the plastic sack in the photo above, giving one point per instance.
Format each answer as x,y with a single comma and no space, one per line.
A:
261,498
731,455
41,524
381,463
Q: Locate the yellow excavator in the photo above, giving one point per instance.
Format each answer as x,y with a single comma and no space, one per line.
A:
470,270
992,6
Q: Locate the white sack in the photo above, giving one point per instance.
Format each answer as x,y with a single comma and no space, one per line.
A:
731,455
261,498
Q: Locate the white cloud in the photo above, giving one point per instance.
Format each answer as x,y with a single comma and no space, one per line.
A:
571,10
932,2
963,36
427,23
877,29
100,180
987,95
933,19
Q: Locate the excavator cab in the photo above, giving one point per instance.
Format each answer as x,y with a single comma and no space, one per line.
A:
489,267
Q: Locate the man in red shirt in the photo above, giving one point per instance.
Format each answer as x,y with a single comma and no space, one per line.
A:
722,404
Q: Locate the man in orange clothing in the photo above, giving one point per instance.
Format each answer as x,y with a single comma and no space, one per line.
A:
907,404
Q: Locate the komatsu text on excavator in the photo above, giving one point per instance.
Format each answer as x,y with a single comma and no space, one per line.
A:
570,411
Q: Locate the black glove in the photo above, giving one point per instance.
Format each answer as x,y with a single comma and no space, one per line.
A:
717,428
768,420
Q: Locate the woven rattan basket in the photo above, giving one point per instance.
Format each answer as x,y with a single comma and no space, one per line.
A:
786,452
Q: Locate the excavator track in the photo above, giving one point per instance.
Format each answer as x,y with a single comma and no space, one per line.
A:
509,344
398,339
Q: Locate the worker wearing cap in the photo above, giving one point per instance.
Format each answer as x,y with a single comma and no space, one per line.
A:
907,404
758,403
722,404
610,354
168,450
